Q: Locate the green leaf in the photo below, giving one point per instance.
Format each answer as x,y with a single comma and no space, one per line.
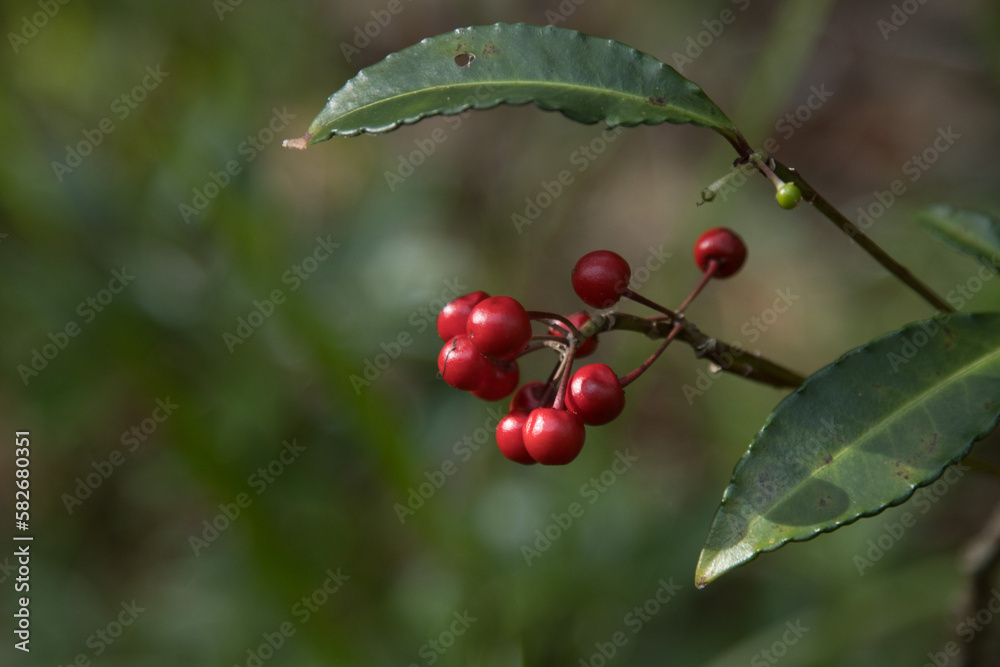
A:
859,436
586,78
971,232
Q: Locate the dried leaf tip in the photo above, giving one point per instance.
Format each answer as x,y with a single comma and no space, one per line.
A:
299,143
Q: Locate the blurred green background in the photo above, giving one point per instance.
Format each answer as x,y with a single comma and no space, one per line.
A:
117,116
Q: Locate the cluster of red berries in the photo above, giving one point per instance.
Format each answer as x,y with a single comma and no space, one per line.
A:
485,335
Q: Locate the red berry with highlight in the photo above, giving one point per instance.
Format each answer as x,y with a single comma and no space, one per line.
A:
553,437
578,320
499,327
510,438
595,394
452,318
529,397
503,381
724,246
600,278
463,366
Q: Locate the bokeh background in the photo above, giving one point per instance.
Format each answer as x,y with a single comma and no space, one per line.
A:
232,79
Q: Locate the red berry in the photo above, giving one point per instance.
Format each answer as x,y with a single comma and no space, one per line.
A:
529,397
510,438
499,327
722,245
462,366
553,437
578,320
600,277
452,318
501,384
595,394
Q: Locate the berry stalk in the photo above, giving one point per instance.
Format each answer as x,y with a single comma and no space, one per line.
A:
634,375
831,212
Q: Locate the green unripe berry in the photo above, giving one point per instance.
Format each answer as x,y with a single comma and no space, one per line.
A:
788,196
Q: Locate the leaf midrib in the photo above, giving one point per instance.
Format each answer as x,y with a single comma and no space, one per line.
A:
881,425
709,122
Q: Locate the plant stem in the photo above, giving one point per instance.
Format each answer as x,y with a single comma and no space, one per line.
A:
640,299
556,317
634,375
713,266
810,195
981,562
729,358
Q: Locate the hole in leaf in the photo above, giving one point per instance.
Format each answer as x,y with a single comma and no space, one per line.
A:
464,59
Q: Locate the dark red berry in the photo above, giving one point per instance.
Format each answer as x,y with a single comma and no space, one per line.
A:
510,438
499,327
600,277
578,320
595,394
452,318
504,380
463,366
529,397
553,437
722,245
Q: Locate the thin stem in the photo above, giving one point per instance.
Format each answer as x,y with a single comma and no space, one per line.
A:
562,372
712,191
981,562
713,266
634,375
810,195
638,298
548,317
556,343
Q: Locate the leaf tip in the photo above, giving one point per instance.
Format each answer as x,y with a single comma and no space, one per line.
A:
299,143
703,573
